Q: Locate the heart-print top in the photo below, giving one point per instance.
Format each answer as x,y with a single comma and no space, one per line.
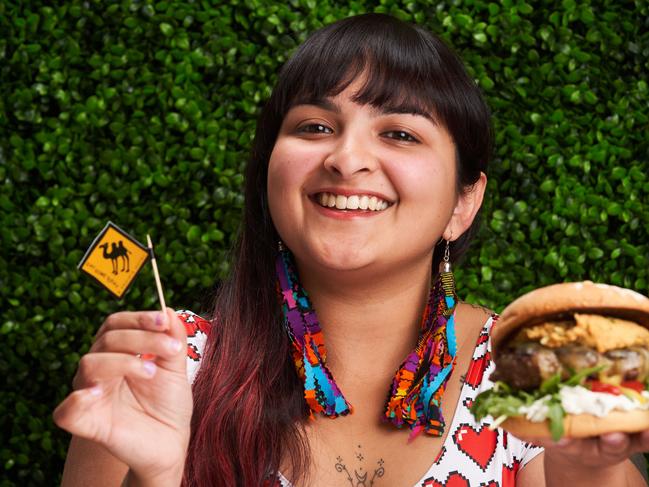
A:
472,455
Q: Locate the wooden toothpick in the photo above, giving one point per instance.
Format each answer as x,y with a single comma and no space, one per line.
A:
156,275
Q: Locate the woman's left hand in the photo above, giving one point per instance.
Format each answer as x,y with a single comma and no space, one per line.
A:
599,451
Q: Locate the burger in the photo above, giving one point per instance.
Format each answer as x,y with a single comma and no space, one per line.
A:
571,360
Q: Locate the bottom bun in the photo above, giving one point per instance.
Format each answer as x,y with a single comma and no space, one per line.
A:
581,425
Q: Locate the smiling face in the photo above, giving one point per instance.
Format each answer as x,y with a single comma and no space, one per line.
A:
351,186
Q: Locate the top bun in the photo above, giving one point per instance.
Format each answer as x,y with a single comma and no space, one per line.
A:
568,297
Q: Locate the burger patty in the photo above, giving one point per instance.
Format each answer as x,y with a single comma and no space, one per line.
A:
525,365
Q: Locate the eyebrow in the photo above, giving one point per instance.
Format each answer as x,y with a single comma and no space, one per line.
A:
390,109
407,109
324,103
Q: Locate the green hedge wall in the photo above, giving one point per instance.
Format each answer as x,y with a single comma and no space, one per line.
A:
142,112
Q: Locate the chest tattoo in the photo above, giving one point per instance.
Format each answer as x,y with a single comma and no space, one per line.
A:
360,473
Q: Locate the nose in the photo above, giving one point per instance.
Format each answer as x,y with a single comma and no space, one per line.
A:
352,155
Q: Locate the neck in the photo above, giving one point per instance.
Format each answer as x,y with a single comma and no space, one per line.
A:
370,323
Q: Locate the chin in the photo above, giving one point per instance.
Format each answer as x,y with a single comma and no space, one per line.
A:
338,256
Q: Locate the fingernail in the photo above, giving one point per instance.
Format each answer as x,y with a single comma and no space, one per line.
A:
174,345
149,368
160,319
614,438
563,442
95,391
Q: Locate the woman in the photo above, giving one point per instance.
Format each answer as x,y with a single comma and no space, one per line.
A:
369,164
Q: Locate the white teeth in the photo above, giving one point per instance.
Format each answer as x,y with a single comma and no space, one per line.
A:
353,202
362,204
341,202
372,203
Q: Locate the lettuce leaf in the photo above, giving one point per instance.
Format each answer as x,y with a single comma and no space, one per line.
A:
550,385
555,416
579,377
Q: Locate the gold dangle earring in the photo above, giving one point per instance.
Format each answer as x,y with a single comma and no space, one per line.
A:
445,264
447,279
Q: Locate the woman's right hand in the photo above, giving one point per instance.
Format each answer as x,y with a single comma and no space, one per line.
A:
139,410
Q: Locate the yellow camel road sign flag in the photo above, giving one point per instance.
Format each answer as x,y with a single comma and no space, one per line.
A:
114,258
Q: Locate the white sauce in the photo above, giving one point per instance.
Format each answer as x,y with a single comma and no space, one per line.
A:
537,411
579,400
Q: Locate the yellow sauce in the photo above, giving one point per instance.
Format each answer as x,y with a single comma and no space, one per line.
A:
599,332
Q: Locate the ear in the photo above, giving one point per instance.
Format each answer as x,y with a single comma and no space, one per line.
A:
468,204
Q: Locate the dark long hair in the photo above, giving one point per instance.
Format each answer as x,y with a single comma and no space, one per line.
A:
248,399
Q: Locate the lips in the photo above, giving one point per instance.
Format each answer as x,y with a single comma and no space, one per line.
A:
360,201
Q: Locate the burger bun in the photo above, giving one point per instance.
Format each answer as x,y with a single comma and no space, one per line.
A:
581,425
570,297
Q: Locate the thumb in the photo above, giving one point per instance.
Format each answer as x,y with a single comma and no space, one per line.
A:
77,416
176,330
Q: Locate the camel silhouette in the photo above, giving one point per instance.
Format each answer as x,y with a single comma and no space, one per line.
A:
123,253
117,251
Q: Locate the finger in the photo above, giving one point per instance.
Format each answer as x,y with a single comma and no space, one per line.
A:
138,320
640,442
74,414
615,445
95,368
178,360
137,342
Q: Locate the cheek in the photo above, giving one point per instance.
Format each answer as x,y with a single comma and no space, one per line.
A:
426,188
423,183
288,166
286,176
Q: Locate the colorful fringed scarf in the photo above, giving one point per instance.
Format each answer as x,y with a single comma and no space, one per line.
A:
418,385
320,390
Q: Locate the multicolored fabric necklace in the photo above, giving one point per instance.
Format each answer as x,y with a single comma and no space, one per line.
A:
419,384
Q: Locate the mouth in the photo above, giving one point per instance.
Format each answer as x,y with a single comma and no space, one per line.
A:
353,202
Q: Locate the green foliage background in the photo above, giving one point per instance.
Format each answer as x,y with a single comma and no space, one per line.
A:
142,112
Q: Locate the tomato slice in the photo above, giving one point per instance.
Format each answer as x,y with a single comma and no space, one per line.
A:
597,386
633,384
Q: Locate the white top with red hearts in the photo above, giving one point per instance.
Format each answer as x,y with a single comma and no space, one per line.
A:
472,455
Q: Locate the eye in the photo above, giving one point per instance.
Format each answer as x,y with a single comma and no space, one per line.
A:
400,135
314,128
